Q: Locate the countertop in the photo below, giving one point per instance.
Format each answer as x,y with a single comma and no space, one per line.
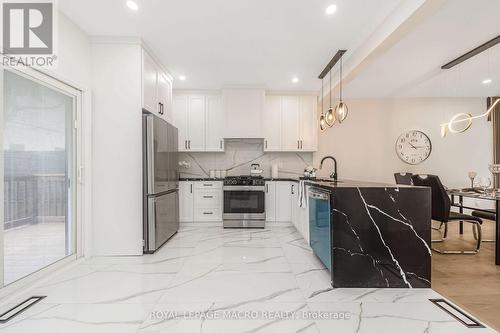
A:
199,179
317,182
347,183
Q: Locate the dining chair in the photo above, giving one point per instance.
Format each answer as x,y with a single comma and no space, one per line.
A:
403,178
441,211
488,215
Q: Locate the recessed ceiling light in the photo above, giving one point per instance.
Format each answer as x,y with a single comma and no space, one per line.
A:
182,77
331,9
487,81
132,5
295,80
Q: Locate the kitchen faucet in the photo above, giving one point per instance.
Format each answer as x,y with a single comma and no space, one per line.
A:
334,173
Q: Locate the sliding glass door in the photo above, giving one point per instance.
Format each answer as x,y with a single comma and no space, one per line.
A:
38,130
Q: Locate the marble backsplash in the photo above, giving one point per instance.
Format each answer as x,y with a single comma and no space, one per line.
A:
239,155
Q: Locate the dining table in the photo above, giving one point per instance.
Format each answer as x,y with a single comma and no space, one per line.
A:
479,195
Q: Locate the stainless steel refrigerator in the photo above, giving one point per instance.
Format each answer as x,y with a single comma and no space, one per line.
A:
161,182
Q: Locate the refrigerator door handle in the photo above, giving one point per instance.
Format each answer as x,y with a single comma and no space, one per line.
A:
151,224
150,153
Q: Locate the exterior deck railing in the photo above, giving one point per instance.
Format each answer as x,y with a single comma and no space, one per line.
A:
34,198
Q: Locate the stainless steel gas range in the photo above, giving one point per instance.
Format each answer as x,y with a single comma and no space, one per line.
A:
244,202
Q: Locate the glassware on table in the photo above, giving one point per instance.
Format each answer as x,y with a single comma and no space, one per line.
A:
472,175
484,183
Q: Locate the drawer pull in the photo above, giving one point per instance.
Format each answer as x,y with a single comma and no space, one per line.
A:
207,184
208,196
208,213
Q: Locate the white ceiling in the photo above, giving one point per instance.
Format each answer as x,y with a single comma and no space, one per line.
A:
411,68
238,42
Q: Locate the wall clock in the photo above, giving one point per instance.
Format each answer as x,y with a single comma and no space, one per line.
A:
413,147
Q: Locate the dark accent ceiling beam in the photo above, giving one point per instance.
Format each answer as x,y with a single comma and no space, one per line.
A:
472,53
332,63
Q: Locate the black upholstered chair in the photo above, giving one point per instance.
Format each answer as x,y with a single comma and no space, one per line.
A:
441,205
488,215
403,178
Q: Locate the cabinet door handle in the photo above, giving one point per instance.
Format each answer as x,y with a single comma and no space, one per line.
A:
265,143
189,144
220,144
267,188
301,144
298,144
191,188
293,191
185,144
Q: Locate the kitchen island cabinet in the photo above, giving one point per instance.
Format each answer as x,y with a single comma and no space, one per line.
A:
380,234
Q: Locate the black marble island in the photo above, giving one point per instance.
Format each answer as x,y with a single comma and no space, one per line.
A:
380,234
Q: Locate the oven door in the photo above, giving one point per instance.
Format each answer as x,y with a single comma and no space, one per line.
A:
244,202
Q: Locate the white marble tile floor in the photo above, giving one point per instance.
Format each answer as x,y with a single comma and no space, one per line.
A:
216,280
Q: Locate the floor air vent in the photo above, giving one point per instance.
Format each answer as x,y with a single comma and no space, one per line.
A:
456,313
21,307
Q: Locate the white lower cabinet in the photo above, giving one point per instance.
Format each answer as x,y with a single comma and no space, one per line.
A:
300,215
279,201
270,201
186,201
200,201
301,221
284,201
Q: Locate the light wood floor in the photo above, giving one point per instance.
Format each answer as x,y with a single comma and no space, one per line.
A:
470,281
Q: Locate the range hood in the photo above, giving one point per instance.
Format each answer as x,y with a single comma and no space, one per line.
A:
243,112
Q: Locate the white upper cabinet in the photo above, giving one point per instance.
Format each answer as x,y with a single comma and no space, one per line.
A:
272,123
156,88
165,97
290,123
308,123
189,118
180,119
243,109
149,82
196,123
204,120
214,124
200,121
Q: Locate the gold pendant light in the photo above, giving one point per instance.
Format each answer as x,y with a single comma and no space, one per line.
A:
341,109
322,119
330,115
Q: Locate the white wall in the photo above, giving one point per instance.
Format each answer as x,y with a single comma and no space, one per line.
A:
364,143
117,168
73,53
